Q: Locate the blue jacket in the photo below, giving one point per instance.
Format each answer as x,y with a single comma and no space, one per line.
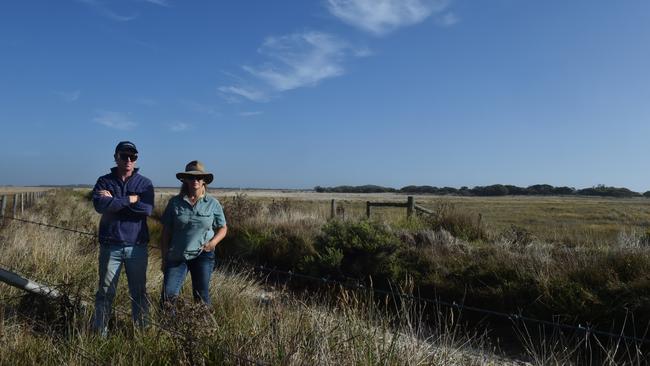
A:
122,222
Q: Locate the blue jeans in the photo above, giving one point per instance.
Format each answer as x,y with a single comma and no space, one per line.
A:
111,258
200,269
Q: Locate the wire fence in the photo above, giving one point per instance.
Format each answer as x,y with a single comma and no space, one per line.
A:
586,329
86,355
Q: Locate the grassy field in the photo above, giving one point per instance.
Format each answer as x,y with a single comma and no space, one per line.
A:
565,220
250,320
597,268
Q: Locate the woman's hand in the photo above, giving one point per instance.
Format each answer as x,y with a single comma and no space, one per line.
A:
218,236
208,247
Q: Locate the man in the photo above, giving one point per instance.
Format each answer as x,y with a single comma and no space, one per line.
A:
125,199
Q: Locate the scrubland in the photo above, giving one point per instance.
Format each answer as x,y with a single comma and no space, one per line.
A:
516,259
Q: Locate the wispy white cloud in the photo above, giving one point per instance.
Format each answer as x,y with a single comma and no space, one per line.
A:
115,120
231,93
293,61
164,3
179,126
250,114
383,16
300,59
69,96
201,108
102,9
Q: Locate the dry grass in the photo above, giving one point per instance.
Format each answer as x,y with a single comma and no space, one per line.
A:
249,318
561,220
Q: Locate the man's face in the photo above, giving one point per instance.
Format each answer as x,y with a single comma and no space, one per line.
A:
126,160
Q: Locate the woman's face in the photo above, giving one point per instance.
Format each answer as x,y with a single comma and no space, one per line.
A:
194,183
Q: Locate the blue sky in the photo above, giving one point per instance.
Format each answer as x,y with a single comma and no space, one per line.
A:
294,94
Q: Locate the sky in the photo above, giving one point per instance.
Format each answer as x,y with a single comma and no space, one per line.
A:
298,93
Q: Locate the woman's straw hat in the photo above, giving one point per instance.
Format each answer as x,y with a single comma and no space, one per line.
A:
195,169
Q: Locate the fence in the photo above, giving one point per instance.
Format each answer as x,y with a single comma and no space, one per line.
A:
410,206
458,305
19,202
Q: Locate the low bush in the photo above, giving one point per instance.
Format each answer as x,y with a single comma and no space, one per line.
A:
460,224
359,249
239,209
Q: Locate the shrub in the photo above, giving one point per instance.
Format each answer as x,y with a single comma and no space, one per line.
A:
279,207
355,249
239,209
459,224
517,236
277,246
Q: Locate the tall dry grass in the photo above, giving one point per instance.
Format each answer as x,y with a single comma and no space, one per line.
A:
250,320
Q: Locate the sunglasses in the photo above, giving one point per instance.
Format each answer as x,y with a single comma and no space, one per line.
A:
126,157
192,177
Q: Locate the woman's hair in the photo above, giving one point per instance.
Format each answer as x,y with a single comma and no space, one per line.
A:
184,190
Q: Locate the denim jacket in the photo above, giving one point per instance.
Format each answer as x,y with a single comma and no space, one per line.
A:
121,222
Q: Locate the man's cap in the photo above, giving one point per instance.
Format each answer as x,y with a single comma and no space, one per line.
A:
126,146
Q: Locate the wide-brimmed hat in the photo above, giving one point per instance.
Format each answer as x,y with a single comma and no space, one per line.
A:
195,168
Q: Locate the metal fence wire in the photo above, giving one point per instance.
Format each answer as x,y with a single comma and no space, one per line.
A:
239,359
291,275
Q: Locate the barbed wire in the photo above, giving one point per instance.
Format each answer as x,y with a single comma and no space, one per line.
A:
125,312
73,348
87,233
359,286
453,304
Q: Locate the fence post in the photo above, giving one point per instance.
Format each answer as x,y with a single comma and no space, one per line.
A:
410,206
22,204
2,208
367,209
333,209
13,214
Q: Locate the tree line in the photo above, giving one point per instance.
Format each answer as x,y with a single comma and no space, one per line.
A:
492,190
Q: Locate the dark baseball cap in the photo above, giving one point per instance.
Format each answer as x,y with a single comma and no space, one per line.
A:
126,146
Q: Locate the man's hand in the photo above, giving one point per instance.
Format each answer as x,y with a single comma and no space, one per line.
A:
105,193
134,198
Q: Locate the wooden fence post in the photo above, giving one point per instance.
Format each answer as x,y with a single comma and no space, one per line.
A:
410,206
13,214
367,209
333,209
3,206
22,204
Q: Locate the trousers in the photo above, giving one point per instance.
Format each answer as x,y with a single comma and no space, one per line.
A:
112,257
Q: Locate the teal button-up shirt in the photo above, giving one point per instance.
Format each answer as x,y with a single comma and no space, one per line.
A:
191,226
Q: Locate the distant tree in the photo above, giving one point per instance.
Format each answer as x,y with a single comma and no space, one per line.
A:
464,191
602,190
514,190
564,190
540,189
493,190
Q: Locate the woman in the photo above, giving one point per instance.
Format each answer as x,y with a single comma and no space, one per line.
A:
193,225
